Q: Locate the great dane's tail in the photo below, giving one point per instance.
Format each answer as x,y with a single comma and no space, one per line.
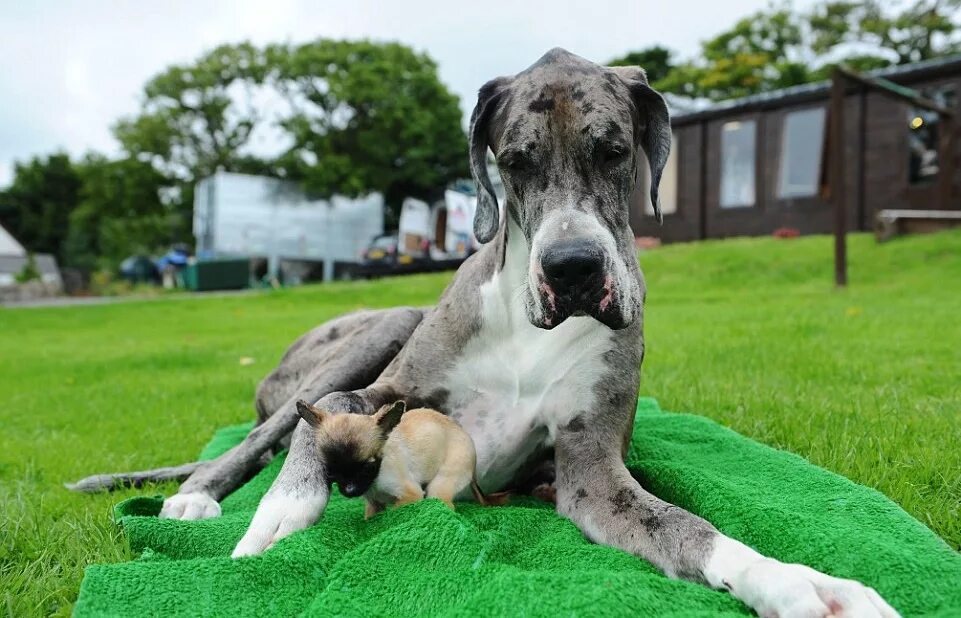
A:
119,480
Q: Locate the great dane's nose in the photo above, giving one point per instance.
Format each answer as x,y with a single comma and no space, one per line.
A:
571,266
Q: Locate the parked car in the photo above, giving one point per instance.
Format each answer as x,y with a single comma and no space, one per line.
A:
139,269
383,251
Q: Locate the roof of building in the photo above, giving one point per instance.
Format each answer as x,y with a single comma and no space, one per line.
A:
9,244
819,90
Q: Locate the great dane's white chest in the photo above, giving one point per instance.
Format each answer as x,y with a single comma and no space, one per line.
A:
515,384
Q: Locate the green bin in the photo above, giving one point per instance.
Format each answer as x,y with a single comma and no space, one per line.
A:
226,274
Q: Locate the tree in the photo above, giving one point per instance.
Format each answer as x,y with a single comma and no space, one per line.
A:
197,118
779,47
120,212
762,51
656,61
36,207
89,214
367,117
360,117
900,31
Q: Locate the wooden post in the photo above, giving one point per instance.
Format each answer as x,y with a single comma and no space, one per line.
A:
832,177
946,162
836,178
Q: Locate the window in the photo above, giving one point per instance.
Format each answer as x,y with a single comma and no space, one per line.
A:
924,135
737,164
667,191
801,143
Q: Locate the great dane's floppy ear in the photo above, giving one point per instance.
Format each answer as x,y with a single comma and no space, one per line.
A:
486,217
388,416
654,136
313,415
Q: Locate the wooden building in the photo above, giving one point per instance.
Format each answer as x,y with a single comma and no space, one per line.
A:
750,166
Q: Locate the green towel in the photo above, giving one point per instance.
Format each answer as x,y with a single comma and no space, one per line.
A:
523,559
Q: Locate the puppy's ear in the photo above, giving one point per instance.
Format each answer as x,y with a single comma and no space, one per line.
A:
313,415
654,126
388,416
487,214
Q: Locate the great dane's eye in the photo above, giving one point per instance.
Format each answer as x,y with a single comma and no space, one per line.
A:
515,162
613,155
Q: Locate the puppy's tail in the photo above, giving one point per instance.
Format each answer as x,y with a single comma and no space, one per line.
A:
110,482
496,499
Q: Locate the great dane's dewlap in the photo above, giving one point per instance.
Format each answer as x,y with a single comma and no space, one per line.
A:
534,348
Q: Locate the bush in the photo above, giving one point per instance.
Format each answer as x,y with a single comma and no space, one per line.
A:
29,271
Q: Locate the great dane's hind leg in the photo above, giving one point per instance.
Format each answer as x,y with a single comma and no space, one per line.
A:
596,491
346,353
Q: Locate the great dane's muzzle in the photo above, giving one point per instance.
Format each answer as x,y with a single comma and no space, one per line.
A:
574,280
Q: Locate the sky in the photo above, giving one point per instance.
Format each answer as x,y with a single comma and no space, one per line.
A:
71,69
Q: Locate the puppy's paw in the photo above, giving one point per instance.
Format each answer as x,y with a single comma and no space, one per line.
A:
194,505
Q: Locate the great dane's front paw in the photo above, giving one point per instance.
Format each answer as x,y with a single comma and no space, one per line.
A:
781,590
276,517
190,506
778,590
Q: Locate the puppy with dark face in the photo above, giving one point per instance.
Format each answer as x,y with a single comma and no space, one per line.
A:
390,456
352,445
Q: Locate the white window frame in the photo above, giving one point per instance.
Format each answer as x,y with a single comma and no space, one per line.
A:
729,126
785,191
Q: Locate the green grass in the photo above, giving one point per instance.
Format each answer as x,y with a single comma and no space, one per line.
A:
863,381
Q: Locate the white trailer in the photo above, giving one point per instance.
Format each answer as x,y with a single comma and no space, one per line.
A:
454,217
446,227
458,216
414,232
256,216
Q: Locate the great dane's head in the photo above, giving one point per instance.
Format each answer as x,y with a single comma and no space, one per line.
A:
566,134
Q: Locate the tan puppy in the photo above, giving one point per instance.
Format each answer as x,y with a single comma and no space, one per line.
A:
390,456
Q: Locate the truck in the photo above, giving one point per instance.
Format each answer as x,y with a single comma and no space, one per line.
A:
240,215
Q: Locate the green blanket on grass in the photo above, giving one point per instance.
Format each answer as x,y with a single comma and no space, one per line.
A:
523,560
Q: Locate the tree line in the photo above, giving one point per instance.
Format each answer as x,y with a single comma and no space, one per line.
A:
351,117
780,47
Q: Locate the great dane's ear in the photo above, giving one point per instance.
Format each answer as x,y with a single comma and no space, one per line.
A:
388,416
486,216
313,415
654,134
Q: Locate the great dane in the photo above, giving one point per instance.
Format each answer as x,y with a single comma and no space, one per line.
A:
534,347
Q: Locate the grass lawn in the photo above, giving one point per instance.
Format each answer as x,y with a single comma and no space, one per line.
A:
865,381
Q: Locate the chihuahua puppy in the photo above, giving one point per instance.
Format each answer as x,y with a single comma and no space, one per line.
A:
390,456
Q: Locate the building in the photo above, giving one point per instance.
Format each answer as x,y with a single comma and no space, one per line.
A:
749,166
239,215
14,260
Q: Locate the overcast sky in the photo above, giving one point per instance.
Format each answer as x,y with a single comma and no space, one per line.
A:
70,69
